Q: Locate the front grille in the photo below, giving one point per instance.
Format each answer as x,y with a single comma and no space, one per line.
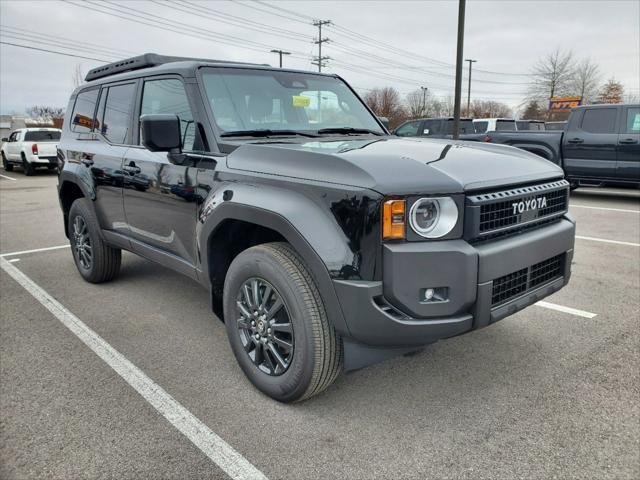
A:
514,284
493,214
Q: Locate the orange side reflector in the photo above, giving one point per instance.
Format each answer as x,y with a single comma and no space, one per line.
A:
393,220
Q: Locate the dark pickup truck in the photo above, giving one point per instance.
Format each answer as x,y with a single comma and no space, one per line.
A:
599,145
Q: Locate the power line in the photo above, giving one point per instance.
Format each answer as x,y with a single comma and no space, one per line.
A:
53,51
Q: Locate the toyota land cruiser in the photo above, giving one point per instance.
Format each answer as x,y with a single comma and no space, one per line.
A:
325,243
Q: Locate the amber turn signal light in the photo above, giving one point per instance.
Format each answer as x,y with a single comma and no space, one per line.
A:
393,220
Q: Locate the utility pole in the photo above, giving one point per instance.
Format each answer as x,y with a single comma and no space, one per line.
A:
280,53
460,48
469,90
319,60
424,99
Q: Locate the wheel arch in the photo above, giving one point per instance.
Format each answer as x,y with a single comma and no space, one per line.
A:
69,190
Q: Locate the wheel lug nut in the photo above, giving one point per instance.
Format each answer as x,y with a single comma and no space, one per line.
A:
268,330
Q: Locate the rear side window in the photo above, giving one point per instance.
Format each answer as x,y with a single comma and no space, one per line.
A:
633,120
117,113
168,96
480,127
42,136
523,125
465,126
505,125
599,120
83,110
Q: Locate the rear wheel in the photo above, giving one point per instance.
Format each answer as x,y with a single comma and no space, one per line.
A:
277,324
96,261
28,168
8,167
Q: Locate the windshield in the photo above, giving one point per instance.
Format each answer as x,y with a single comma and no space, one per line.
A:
247,100
42,136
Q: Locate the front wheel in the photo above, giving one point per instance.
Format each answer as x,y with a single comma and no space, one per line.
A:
96,261
277,324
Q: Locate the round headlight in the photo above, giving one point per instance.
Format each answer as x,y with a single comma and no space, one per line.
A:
433,217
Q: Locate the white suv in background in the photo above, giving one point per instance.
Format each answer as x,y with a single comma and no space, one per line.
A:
484,125
31,148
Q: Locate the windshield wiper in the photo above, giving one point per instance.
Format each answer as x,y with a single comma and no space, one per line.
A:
265,132
347,130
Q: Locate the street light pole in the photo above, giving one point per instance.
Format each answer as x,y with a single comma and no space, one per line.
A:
424,99
280,53
469,90
456,106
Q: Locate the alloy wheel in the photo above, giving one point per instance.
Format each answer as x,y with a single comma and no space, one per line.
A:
82,243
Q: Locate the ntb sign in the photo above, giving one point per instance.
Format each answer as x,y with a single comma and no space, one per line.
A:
564,104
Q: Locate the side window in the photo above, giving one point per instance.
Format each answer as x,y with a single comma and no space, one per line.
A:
599,120
169,96
408,129
13,137
117,112
633,120
83,110
480,127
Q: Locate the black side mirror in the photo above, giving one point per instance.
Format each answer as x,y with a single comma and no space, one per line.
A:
5,139
161,133
384,121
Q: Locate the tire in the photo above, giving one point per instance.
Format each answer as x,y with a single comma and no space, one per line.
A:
28,168
96,261
8,167
315,356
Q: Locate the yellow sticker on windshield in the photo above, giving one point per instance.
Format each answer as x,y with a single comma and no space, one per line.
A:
300,101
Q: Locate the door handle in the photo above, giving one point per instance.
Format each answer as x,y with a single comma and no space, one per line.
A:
87,162
576,140
628,141
131,168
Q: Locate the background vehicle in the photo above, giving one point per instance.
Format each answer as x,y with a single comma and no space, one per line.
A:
483,125
30,148
529,125
437,128
600,145
324,242
555,125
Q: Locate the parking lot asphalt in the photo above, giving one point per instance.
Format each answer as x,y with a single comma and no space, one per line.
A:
541,394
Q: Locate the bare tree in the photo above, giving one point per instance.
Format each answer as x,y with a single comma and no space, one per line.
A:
552,76
415,104
77,77
489,109
611,92
585,81
386,102
45,112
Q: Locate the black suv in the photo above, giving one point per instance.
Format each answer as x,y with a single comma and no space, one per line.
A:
326,244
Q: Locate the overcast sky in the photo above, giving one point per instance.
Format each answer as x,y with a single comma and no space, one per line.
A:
418,40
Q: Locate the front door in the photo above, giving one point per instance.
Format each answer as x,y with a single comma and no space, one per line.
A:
13,146
590,145
628,165
160,196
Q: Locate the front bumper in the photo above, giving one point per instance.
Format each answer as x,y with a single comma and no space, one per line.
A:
390,314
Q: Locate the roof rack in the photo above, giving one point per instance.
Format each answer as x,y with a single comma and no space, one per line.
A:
145,61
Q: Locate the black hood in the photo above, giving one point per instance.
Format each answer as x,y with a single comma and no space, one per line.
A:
400,166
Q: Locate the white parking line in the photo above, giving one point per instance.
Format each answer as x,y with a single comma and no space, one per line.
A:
9,178
219,451
11,254
14,260
604,240
562,308
605,208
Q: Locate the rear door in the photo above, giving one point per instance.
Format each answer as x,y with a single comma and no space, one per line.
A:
590,143
160,196
628,156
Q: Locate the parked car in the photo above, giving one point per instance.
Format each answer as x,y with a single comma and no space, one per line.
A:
483,125
325,243
30,148
436,128
600,145
555,125
530,125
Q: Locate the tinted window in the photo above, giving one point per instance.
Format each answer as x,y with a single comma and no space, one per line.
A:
523,125
536,126
633,120
555,126
42,136
117,112
83,110
169,96
466,126
505,125
408,129
599,120
480,127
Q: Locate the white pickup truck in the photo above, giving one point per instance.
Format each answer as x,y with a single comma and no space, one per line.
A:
31,148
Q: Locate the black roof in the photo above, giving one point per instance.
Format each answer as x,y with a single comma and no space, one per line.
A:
148,60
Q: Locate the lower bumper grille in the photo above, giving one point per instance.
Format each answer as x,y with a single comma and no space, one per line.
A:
514,284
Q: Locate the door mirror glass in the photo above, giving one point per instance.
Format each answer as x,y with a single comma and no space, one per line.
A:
161,133
5,139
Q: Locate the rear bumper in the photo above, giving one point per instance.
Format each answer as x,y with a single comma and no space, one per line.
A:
390,313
